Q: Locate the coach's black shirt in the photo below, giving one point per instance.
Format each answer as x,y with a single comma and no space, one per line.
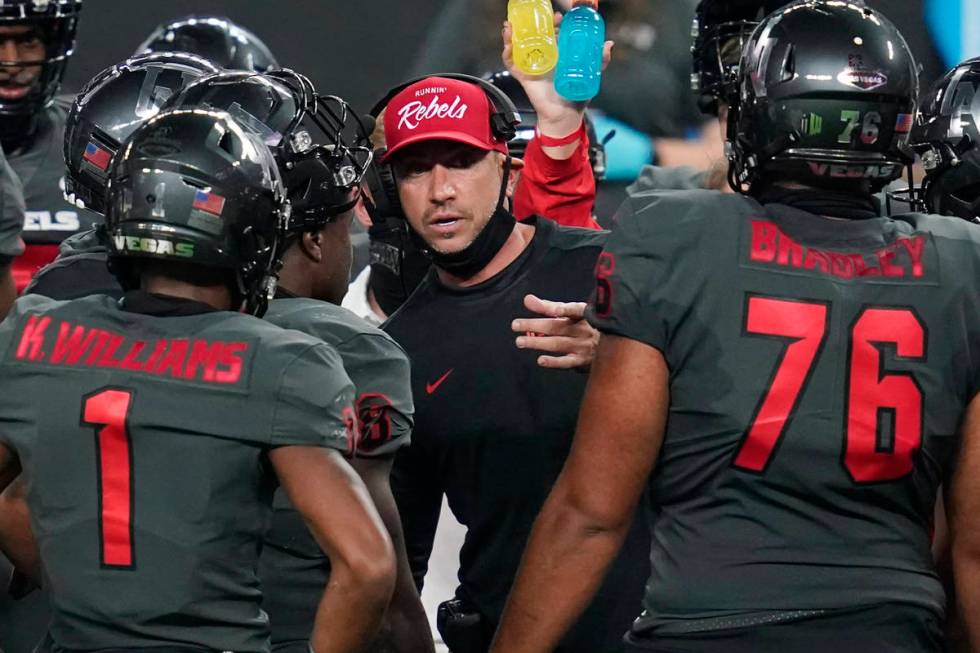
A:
493,428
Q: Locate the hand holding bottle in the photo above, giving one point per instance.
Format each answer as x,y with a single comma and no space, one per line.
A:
579,72
534,41
557,116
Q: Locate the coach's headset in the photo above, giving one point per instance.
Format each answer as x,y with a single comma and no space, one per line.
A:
380,177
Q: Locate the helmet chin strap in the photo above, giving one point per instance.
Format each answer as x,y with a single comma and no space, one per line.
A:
470,260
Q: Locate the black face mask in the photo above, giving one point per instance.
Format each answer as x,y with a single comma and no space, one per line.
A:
397,264
469,261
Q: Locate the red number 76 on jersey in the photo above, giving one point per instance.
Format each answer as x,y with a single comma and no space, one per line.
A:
872,395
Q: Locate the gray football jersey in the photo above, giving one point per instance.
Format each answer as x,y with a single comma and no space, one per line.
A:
144,445
293,569
819,370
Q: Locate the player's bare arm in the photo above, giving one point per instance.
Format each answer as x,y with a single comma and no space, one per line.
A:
564,333
17,539
589,512
962,508
405,628
339,513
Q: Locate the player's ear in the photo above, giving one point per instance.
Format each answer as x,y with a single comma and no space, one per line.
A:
312,245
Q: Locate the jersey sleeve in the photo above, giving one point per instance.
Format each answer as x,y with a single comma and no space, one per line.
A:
563,191
381,374
648,275
315,402
12,209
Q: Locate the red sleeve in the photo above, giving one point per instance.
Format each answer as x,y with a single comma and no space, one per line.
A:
563,191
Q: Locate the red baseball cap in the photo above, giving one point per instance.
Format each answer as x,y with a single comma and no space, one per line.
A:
439,108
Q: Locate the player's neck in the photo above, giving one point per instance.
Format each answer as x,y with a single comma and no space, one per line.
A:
520,237
217,297
294,277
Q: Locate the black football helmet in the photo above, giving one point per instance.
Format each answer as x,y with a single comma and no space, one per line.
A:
720,30
192,186
54,22
217,39
322,170
529,122
110,108
947,137
827,92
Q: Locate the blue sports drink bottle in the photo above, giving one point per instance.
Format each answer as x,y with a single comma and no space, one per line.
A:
579,71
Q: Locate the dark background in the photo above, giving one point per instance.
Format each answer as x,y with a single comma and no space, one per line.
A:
353,48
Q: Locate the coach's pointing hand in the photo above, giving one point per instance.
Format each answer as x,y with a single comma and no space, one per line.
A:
563,333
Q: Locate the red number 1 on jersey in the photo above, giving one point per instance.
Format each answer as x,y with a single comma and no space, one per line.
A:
107,411
872,452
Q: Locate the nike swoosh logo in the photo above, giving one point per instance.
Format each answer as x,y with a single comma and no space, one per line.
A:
432,387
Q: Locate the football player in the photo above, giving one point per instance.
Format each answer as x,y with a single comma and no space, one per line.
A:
150,464
321,182
785,373
114,106
323,169
36,41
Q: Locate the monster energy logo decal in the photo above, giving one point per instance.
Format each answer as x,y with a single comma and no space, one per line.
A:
812,124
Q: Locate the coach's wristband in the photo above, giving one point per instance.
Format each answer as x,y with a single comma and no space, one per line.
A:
549,141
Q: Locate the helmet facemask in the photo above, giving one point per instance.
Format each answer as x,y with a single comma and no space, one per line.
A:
321,148
42,34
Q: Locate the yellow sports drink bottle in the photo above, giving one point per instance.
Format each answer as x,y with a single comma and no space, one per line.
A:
533,38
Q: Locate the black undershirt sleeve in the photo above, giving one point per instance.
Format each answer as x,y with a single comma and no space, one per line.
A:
418,493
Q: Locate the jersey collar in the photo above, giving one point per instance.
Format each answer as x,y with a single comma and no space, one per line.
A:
140,301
